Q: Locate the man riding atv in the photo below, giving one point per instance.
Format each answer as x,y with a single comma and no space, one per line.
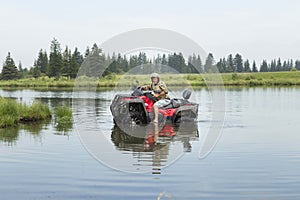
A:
160,93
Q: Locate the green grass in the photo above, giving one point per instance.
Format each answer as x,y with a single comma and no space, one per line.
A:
35,112
263,79
126,80
63,111
64,118
9,112
13,112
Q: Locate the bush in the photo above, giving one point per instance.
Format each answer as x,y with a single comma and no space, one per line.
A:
7,120
12,112
37,111
63,118
63,111
294,69
9,113
234,76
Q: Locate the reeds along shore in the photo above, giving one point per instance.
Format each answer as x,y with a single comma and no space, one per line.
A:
13,112
126,80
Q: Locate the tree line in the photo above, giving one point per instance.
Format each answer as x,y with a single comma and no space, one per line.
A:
67,63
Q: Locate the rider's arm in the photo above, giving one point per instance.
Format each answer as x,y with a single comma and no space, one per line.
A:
162,93
146,87
163,90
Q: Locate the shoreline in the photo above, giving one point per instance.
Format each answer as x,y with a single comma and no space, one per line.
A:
268,79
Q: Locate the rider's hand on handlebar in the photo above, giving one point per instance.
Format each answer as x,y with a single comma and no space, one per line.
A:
156,95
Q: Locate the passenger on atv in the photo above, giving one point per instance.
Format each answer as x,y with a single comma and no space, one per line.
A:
160,93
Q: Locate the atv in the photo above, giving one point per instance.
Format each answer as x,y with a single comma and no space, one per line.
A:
137,108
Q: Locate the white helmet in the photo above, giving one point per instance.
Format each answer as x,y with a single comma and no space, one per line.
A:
154,75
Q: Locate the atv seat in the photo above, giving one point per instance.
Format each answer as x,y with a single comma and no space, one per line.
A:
175,103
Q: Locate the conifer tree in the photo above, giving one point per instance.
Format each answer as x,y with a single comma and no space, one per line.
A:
55,61
9,69
254,68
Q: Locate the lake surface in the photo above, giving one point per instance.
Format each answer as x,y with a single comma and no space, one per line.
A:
256,157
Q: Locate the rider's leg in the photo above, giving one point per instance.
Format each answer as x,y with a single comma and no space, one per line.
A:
155,109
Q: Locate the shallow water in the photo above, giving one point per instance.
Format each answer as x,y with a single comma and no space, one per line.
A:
256,157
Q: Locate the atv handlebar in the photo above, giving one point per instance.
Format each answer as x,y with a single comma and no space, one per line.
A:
139,92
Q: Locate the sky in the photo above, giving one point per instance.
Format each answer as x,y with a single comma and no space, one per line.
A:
257,29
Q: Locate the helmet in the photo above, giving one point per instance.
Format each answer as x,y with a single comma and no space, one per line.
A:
154,75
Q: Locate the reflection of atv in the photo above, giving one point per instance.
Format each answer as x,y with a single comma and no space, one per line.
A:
134,138
138,108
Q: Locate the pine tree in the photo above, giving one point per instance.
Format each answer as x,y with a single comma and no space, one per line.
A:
285,66
74,66
290,65
45,63
36,72
247,66
9,70
87,51
96,63
199,64
142,58
25,72
133,61
42,61
273,66
195,64
190,65
229,67
278,65
157,60
221,65
208,66
297,64
264,66
177,62
55,62
238,63
254,68
66,59
20,70
78,56
125,64
164,60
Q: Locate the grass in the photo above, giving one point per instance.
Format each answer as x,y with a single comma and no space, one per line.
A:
36,112
13,112
44,82
63,111
64,118
126,80
228,79
263,79
9,112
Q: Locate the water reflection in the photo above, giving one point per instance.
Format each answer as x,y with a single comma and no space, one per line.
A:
63,128
10,135
150,145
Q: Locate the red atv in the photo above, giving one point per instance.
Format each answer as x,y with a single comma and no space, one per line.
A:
138,108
